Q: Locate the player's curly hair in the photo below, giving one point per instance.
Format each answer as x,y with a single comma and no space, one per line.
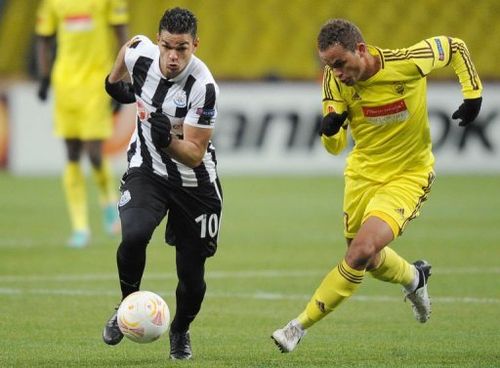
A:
339,32
179,21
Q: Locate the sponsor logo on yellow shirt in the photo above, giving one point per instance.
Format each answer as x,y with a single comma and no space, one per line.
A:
394,112
78,23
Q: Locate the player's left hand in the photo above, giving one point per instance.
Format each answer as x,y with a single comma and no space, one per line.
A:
468,111
160,129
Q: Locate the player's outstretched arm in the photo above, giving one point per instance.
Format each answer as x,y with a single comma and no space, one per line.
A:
441,51
472,88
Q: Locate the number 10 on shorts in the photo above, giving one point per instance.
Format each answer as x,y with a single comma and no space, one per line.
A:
210,223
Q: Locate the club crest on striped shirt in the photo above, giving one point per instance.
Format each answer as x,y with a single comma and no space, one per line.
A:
180,99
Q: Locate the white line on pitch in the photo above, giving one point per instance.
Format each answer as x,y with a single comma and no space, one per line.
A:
258,295
226,275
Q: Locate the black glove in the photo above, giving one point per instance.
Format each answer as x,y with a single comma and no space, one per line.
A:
468,111
160,129
121,91
331,123
43,88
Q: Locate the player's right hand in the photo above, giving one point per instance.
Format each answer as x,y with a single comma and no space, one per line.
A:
121,91
43,88
331,123
160,129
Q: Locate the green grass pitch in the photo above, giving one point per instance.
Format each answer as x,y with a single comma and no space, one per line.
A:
279,237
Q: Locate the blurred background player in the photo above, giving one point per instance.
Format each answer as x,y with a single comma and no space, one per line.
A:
83,33
172,166
381,96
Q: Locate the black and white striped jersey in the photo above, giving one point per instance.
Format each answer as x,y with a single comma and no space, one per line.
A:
190,98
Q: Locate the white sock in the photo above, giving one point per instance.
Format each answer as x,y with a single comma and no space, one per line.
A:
412,286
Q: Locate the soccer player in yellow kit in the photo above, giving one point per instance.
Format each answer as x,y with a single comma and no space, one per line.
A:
380,96
83,114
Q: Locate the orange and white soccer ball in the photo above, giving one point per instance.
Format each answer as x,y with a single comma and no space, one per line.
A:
143,316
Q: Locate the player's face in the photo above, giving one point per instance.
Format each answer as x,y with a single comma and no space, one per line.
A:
175,52
348,66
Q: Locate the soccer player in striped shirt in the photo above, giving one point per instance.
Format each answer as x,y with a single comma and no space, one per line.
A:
380,96
172,166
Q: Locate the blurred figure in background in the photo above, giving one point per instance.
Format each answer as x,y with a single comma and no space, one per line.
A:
380,95
83,34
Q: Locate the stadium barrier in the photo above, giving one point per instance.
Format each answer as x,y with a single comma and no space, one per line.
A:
262,128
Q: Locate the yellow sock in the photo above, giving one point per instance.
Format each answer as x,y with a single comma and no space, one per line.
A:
105,184
393,268
76,196
338,285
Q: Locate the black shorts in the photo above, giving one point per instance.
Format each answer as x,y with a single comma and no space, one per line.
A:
194,213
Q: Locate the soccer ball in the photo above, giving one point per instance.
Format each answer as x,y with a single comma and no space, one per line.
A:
143,316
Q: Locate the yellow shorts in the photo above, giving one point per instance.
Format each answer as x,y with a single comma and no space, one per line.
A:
396,202
83,113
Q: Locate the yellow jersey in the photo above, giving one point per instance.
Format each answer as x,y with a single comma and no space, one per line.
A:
387,113
85,51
